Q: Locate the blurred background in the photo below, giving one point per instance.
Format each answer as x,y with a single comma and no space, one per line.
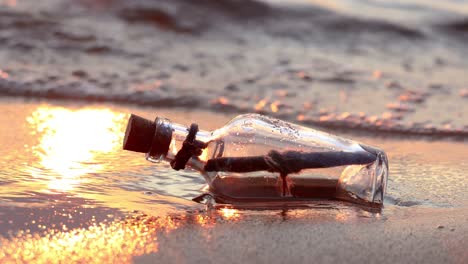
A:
395,66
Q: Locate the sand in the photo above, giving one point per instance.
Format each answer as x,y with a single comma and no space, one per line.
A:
409,236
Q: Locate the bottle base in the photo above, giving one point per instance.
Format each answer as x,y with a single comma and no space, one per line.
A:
213,200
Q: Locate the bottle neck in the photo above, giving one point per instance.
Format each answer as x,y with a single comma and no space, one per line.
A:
179,134
174,135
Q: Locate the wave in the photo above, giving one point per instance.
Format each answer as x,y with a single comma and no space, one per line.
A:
201,15
111,49
75,91
458,26
189,16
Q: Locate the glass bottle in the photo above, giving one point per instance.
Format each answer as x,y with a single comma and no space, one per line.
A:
255,158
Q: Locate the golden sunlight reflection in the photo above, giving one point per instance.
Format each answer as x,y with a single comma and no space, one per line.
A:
260,104
342,216
229,213
72,141
116,242
274,106
202,220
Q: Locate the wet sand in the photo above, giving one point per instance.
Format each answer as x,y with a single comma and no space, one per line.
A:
65,197
408,236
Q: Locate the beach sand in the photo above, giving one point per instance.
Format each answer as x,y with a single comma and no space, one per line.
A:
410,235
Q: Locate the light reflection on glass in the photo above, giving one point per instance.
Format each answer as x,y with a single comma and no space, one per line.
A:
204,155
71,142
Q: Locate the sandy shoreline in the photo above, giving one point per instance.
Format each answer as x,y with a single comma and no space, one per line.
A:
322,235
409,236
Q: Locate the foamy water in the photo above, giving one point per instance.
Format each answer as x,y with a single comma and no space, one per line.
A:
331,65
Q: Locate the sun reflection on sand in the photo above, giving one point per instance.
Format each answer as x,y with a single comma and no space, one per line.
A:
229,213
109,242
117,242
71,142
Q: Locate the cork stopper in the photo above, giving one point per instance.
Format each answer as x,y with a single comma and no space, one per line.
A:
139,134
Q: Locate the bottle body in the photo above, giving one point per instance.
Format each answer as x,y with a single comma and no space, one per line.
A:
257,158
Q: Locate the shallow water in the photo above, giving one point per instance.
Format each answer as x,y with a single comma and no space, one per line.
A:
386,73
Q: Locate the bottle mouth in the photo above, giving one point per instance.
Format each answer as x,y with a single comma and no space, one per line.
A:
145,136
161,139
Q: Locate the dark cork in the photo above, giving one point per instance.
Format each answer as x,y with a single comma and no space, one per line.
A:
139,134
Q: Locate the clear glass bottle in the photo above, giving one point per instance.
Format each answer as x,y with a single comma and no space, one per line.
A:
257,158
